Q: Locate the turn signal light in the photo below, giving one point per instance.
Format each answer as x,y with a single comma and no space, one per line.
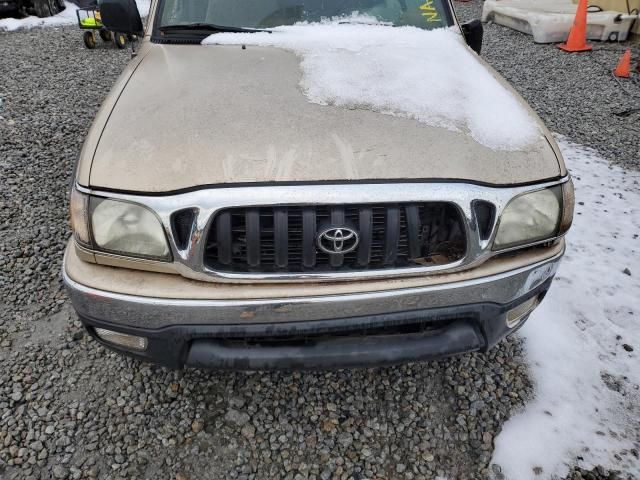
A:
130,342
517,314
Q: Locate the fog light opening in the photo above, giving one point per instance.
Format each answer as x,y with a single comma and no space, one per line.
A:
130,342
519,313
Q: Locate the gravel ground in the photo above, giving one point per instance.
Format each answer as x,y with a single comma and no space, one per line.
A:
71,409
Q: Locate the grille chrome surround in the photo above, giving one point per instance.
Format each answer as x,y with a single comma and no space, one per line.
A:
207,202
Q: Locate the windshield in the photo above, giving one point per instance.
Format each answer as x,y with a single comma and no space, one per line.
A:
426,14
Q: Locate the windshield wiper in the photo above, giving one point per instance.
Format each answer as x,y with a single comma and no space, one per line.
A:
209,27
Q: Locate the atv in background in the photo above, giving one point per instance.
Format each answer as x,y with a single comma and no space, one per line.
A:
41,8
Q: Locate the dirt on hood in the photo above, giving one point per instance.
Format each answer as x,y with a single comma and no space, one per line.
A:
192,116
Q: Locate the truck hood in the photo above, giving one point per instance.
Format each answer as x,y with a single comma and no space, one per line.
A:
185,116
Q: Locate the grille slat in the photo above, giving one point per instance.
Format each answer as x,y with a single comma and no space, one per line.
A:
413,230
308,237
392,235
284,238
253,237
281,236
224,237
365,227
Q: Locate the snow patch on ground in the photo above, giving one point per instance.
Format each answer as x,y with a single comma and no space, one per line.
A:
587,400
66,17
429,75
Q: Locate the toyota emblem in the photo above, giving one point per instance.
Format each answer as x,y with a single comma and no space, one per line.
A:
338,240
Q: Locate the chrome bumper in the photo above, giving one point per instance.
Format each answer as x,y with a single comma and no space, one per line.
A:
331,331
155,313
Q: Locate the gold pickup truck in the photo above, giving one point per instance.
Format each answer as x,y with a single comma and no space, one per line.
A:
222,220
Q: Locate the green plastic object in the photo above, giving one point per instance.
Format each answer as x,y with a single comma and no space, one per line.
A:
90,22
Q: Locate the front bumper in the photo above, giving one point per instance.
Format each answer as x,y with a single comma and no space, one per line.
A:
330,331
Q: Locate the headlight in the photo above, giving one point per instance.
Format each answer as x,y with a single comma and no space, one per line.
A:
118,227
128,229
532,217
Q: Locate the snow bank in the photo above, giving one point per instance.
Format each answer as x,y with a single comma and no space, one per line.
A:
66,17
587,399
427,75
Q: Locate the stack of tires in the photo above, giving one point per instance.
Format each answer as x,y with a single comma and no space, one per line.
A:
47,8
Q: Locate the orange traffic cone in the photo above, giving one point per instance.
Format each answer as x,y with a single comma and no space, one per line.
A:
624,66
577,41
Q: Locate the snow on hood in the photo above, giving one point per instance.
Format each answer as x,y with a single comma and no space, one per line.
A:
430,76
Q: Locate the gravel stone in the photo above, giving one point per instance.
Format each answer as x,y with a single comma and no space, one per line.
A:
59,472
37,446
237,418
69,408
196,426
237,402
248,431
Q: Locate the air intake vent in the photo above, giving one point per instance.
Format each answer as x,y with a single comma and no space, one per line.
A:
485,215
182,224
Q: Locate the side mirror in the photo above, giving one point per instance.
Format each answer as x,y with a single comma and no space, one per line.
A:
473,32
121,16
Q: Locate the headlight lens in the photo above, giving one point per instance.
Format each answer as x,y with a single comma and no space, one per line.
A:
117,227
128,229
529,218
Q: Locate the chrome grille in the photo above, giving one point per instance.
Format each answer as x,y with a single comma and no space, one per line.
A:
284,238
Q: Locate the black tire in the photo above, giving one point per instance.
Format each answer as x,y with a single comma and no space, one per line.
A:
42,8
54,7
89,39
61,5
120,39
105,35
